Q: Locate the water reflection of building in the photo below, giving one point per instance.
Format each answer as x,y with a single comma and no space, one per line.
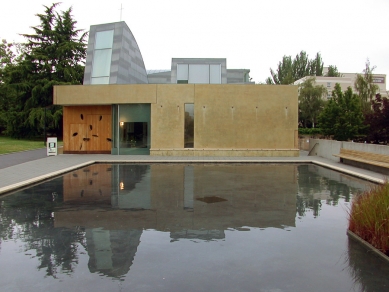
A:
196,202
111,252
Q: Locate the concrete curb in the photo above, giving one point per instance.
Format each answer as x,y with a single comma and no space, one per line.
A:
353,173
367,245
37,179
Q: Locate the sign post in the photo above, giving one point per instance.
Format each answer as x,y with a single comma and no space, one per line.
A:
52,146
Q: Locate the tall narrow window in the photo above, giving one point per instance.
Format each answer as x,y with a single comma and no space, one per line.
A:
189,126
102,57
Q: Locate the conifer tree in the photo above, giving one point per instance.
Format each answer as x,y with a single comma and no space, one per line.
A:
54,54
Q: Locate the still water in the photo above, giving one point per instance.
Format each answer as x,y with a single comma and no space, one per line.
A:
180,227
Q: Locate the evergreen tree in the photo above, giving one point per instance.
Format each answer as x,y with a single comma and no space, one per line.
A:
342,116
53,55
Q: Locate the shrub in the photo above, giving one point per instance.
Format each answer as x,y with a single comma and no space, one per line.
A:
310,131
369,217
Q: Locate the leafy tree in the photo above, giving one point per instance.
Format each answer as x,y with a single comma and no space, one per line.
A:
53,55
288,70
378,120
342,116
310,100
333,72
365,87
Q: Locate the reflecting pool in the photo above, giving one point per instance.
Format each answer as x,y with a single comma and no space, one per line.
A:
186,227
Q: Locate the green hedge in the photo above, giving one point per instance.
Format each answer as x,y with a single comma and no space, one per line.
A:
310,131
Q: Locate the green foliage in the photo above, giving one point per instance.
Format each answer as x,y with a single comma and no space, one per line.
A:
53,55
342,116
365,87
288,70
378,120
333,72
310,101
310,131
369,217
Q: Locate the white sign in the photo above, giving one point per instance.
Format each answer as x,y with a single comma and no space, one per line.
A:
52,146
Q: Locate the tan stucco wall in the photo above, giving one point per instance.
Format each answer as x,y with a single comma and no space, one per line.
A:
167,115
244,116
104,94
229,119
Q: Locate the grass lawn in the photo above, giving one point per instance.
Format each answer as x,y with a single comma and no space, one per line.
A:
9,145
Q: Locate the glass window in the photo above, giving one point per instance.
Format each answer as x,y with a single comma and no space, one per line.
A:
101,63
215,74
199,73
182,73
133,129
133,135
104,40
100,80
115,122
189,126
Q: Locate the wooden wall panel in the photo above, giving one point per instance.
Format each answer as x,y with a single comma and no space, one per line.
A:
88,185
99,131
87,129
76,134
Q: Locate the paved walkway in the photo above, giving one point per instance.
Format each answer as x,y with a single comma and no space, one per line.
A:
7,160
24,168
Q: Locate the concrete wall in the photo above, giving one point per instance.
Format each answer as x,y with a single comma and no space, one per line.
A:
104,94
239,116
167,115
327,148
229,120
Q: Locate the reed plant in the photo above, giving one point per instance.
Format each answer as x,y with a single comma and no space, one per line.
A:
369,217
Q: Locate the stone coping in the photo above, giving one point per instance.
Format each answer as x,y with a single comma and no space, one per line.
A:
355,237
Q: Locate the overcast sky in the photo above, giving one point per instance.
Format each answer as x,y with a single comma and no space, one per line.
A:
251,34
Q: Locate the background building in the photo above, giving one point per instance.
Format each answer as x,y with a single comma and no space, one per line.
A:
347,80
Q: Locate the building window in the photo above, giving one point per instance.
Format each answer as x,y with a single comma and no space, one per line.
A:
189,126
102,57
199,73
182,73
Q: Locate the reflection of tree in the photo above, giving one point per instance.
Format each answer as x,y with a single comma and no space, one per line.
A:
304,203
337,191
371,274
28,216
314,188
